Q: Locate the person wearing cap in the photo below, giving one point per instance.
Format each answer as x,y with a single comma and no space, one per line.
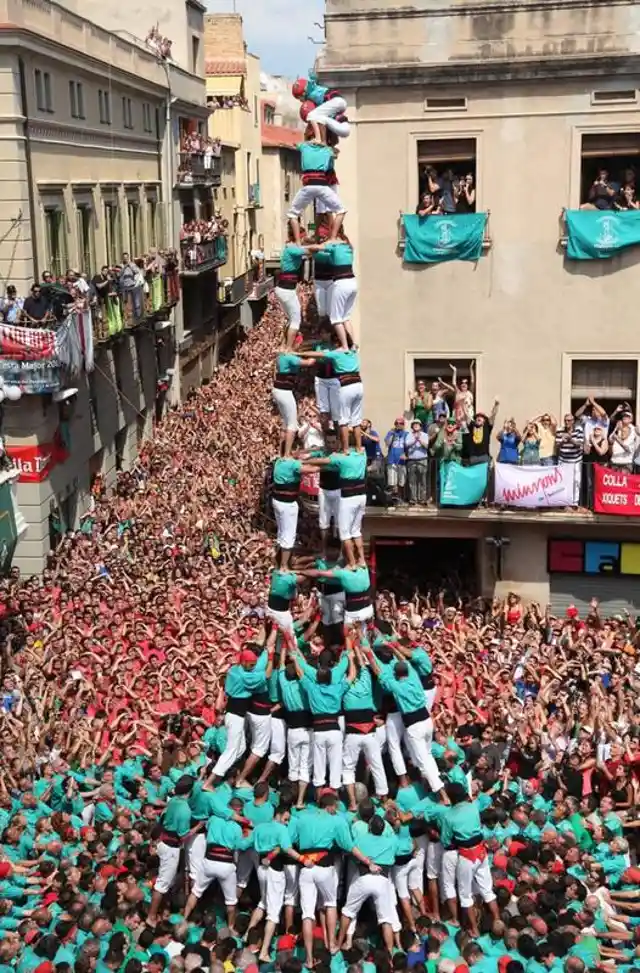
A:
404,682
224,839
324,688
297,718
416,446
318,834
327,106
175,827
258,715
244,678
465,852
477,438
395,441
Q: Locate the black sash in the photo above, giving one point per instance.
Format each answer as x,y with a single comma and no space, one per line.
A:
415,717
237,705
349,378
355,600
284,382
325,721
278,604
343,273
284,493
297,719
353,488
218,853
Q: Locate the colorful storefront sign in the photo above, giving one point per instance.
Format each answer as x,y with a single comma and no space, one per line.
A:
618,558
537,487
36,462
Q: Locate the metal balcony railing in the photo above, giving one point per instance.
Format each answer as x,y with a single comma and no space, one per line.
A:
198,169
254,194
200,257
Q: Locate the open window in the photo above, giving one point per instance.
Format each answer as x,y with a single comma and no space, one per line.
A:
430,370
447,174
610,383
609,162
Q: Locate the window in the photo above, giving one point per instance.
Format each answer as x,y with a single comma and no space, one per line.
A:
76,99
147,123
56,235
445,104
287,188
133,211
104,105
609,382
112,232
269,115
152,223
44,91
447,175
195,53
84,225
430,370
127,113
621,97
610,161
256,117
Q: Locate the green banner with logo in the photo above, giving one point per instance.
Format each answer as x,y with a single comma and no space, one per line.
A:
432,239
595,234
8,533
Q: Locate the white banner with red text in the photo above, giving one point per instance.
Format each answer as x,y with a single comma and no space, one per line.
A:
537,487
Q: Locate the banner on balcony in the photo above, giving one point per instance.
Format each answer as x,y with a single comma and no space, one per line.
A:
36,359
462,486
615,492
36,462
433,239
595,234
537,487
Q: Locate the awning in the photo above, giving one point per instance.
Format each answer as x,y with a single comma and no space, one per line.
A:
224,85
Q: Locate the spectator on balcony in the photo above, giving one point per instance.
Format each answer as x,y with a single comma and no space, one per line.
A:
416,446
596,450
570,441
11,305
208,155
530,445
603,192
462,391
627,198
131,283
370,441
624,442
449,442
36,309
477,437
75,280
465,195
546,425
47,277
509,439
421,404
443,188
396,458
428,206
591,416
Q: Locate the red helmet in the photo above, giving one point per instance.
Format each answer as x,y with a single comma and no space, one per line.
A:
305,108
299,87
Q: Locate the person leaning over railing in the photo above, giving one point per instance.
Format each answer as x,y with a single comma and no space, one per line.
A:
596,451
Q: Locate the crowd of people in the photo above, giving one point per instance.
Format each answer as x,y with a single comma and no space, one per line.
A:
220,102
220,757
618,193
446,192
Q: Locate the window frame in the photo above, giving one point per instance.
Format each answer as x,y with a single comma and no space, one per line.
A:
127,112
577,135
112,233
567,374
104,106
413,356
56,237
147,124
86,254
439,135
76,99
44,90
135,242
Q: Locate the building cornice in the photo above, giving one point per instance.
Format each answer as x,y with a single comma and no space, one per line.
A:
468,9
482,72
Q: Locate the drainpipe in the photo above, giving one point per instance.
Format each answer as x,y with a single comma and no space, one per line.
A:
24,108
168,129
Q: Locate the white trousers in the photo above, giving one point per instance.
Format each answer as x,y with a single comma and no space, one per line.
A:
328,397
448,874
406,878
236,744
283,620
343,299
418,738
395,736
285,400
430,698
376,887
196,849
434,860
325,114
327,749
290,301
278,740
317,883
260,726
247,861
350,405
332,608
308,195
272,898
323,297
328,508
350,516
291,885
298,749
473,877
367,743
422,844
224,873
286,514
361,615
168,867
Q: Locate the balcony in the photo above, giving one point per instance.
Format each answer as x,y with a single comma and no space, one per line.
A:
121,311
235,290
198,258
261,287
254,195
198,169
43,360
